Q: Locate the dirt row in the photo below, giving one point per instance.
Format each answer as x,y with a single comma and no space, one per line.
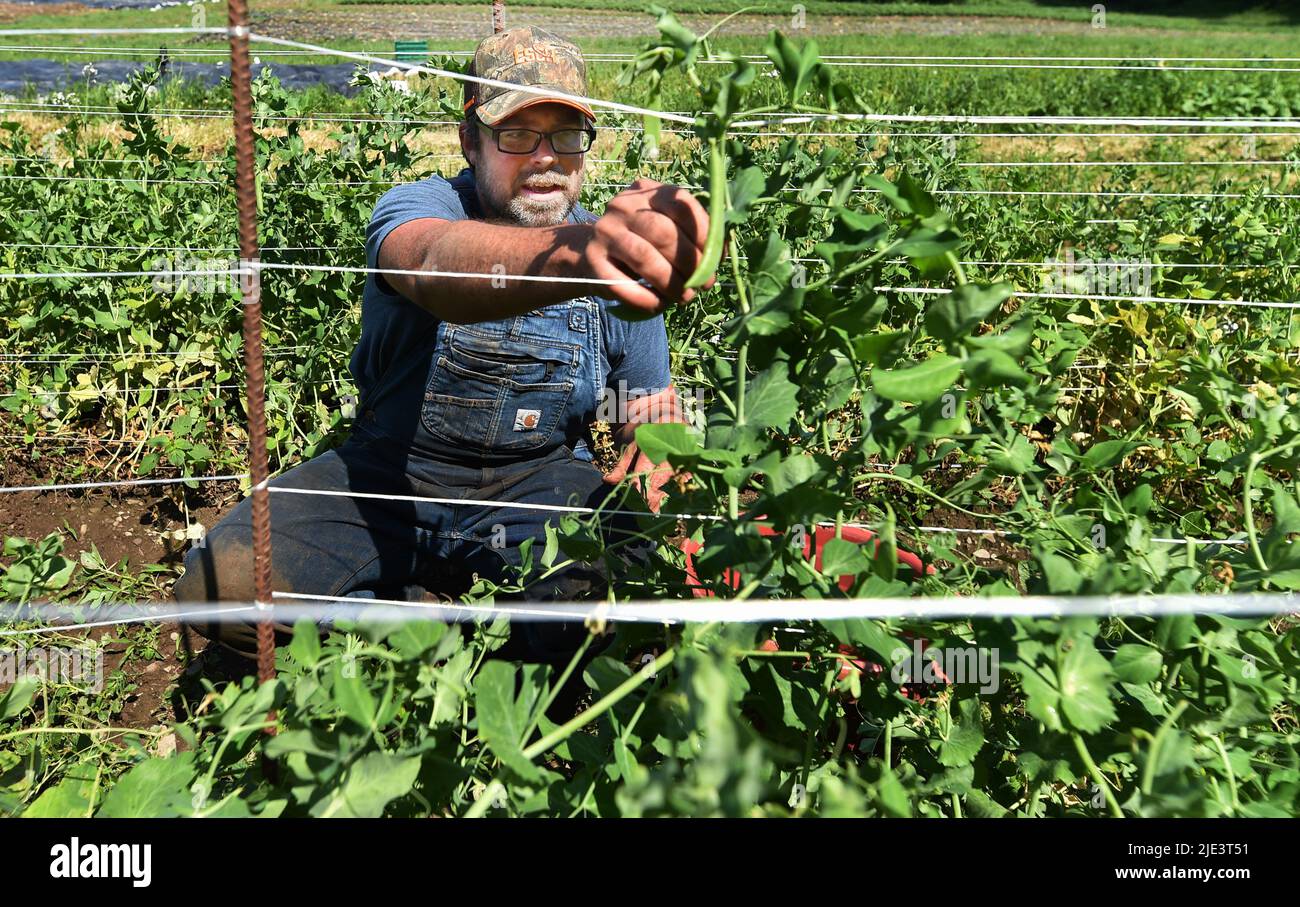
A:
130,531
391,22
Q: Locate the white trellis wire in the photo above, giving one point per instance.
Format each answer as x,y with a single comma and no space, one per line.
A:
294,606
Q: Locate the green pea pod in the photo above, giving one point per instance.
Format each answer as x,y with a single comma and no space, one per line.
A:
650,135
886,560
717,216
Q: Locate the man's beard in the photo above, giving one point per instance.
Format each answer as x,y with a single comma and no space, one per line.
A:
528,211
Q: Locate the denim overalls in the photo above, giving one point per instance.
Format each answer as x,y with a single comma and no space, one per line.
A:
501,391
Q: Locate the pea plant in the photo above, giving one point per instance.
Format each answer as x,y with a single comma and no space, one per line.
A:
153,364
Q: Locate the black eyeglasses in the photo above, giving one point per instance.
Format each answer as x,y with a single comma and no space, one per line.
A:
525,141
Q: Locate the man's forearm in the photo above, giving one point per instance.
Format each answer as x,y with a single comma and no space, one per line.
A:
474,247
640,252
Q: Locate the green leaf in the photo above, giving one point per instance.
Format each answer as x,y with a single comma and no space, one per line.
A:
980,805
853,235
1013,459
1085,687
766,319
1288,580
661,440
415,637
919,383
745,188
1136,664
303,740
955,315
500,721
674,33
1138,501
768,463
905,194
927,243
155,788
551,550
783,702
858,223
604,674
770,268
795,65
879,347
994,368
353,695
1146,697
965,736
1107,454
885,561
771,399
867,634
792,472
371,783
1043,699
1062,577
840,558
70,798
449,689
893,796
305,647
17,697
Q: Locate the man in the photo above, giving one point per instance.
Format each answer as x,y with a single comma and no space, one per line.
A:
476,388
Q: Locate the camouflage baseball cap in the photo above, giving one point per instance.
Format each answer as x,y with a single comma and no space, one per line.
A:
526,56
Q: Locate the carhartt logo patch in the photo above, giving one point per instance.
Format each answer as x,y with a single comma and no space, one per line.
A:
527,419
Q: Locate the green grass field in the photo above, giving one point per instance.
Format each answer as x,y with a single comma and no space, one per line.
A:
1196,14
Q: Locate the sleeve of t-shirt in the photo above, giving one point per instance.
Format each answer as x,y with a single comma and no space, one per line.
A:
431,197
638,356
637,351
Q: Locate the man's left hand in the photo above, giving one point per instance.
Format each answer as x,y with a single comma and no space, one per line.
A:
655,475
664,406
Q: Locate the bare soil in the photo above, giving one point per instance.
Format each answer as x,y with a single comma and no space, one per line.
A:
130,530
134,525
377,22
166,689
11,12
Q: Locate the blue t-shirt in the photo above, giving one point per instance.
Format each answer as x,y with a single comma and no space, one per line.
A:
398,337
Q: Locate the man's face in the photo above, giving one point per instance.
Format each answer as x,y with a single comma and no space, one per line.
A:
532,190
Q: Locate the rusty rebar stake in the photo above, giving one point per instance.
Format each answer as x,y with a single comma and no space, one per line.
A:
498,16
250,284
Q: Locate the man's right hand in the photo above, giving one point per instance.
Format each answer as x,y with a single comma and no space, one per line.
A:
653,231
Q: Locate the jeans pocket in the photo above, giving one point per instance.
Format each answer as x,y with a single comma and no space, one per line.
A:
498,394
